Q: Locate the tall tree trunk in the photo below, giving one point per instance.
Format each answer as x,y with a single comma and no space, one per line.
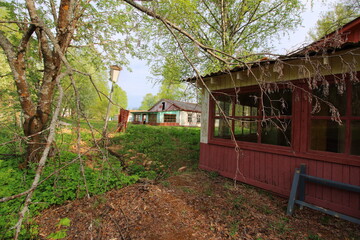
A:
37,109
35,142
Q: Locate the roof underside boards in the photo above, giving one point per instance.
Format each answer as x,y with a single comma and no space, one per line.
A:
278,71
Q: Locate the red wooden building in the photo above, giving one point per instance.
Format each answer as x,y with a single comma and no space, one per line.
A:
262,121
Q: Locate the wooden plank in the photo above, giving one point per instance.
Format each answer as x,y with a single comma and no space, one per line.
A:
327,175
302,183
269,165
332,213
256,166
252,165
355,180
294,189
262,166
283,169
292,166
242,162
311,167
346,179
319,173
336,194
289,168
275,171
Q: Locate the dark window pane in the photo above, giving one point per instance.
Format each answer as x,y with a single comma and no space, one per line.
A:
355,137
356,99
247,105
137,117
276,132
222,129
169,118
327,135
225,103
333,97
246,130
152,118
278,103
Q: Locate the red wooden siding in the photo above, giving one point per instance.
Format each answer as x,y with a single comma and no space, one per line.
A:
351,31
274,172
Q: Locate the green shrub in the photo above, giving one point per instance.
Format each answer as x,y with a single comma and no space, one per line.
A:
168,148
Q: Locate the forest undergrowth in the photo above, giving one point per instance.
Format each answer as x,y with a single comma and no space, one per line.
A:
142,152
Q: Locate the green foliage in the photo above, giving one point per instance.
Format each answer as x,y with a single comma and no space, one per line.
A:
314,237
66,184
64,222
158,149
160,146
58,234
234,227
170,73
281,225
342,13
62,233
148,101
213,175
93,105
238,28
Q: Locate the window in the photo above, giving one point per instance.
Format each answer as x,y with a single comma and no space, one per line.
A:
152,118
169,117
189,117
198,118
254,117
137,117
328,135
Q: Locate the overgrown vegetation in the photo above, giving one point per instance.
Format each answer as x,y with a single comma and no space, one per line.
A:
148,152
154,151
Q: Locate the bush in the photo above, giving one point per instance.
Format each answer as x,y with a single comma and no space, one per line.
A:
166,148
68,184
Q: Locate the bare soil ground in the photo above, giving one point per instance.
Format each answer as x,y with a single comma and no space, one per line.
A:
196,205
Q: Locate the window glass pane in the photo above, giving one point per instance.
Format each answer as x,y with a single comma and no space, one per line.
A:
225,103
222,129
246,130
137,117
355,137
189,117
276,132
327,135
333,97
278,103
246,105
169,117
356,99
152,118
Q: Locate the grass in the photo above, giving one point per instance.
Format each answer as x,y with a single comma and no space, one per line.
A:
167,148
67,184
281,225
150,152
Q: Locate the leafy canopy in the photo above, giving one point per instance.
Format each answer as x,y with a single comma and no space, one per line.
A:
342,13
237,28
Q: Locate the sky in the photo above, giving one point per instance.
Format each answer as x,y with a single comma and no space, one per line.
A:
137,85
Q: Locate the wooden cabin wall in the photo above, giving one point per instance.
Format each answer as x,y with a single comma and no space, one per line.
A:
274,172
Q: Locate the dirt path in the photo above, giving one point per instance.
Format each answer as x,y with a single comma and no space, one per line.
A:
190,206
